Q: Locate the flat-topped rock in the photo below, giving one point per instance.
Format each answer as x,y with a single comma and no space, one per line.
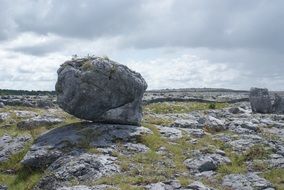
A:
100,90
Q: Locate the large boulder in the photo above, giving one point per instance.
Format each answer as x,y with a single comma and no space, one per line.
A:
100,90
278,106
260,100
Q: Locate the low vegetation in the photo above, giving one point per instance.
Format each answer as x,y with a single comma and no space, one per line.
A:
275,176
150,167
181,107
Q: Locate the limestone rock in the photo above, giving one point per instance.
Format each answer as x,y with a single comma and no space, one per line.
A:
197,185
260,100
11,145
59,141
100,90
206,162
278,106
38,121
4,116
83,187
2,105
83,167
249,181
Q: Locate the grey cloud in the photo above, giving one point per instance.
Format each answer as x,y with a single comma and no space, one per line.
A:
247,36
80,19
146,24
40,49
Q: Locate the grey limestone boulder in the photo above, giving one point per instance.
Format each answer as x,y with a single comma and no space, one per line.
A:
278,106
260,100
100,90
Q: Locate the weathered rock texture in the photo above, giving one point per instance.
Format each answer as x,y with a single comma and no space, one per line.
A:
260,100
100,90
278,106
57,142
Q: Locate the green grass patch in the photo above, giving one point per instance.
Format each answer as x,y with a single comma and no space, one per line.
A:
237,165
25,179
14,161
257,152
276,177
181,107
152,119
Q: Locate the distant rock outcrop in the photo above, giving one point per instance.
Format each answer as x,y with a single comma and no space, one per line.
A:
278,105
260,100
100,90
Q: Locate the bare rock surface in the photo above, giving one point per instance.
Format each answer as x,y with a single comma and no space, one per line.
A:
100,90
38,121
57,142
250,181
84,187
11,145
4,116
206,162
78,166
260,100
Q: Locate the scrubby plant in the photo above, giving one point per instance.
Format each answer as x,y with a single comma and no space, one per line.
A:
257,152
212,106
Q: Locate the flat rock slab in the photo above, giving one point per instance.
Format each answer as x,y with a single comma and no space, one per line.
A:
57,142
207,162
83,187
38,121
249,181
25,114
78,166
170,132
11,145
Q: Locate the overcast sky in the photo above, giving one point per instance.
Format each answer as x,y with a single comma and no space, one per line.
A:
172,43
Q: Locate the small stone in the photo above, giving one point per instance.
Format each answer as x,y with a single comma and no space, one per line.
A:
2,105
234,110
197,185
38,121
4,116
185,123
197,133
206,162
170,132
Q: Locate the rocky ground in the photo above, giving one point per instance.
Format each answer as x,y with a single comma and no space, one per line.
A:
209,144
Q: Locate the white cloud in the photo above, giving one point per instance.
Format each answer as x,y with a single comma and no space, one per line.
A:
184,72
